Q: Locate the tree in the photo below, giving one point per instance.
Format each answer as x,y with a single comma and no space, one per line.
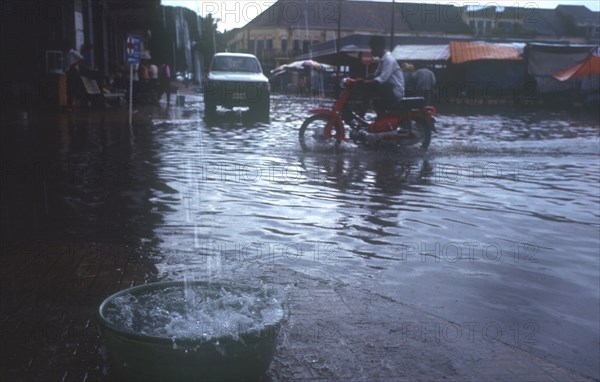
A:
212,40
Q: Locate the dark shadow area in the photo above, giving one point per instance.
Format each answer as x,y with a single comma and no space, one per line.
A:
77,225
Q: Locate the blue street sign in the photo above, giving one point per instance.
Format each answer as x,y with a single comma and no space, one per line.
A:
133,47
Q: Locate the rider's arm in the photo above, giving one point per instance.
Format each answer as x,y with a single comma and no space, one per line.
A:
384,71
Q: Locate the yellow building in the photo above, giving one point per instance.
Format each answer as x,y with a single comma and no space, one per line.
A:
289,27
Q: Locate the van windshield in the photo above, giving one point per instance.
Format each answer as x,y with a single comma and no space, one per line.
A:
235,64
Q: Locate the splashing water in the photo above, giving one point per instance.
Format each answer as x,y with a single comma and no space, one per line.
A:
195,311
188,295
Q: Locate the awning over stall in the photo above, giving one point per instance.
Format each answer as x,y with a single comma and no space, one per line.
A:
545,59
588,67
461,52
421,52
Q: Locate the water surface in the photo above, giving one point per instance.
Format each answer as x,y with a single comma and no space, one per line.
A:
495,227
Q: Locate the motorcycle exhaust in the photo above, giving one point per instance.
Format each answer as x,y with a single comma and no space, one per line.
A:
374,138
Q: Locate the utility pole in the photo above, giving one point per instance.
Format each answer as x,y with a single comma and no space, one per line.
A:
339,38
393,20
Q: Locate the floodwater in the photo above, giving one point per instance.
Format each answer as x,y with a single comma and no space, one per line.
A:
495,229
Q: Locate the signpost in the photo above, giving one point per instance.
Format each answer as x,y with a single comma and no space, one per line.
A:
366,58
133,49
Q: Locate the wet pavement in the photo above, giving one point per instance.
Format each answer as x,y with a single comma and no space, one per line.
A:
477,260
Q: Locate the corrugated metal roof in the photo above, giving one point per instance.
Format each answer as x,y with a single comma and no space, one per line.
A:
421,52
319,14
461,52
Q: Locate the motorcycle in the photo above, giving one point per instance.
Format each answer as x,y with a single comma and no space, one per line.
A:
409,123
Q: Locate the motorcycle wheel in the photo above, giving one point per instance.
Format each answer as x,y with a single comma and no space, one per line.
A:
421,132
312,131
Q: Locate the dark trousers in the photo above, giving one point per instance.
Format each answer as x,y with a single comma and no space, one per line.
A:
382,96
73,85
164,86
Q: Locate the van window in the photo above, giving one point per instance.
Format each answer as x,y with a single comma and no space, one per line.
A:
235,64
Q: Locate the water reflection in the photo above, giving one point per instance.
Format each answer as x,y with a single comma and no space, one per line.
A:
498,221
233,117
485,201
84,177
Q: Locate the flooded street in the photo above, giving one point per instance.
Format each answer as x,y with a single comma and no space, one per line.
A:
477,259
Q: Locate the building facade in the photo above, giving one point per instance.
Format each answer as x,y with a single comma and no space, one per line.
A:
575,24
36,35
290,29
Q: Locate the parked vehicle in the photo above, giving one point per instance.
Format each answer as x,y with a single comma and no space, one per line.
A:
410,123
236,79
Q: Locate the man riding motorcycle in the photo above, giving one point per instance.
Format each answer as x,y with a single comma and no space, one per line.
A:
386,86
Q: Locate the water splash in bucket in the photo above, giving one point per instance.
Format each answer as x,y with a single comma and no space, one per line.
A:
193,310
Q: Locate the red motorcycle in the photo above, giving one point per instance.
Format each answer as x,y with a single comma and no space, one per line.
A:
408,124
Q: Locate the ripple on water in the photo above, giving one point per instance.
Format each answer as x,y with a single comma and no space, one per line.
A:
506,181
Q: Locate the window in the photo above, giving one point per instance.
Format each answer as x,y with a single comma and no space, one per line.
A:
504,25
235,64
305,45
296,45
284,45
260,46
269,43
54,61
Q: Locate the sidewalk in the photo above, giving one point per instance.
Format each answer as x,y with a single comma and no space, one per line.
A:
341,333
50,294
335,332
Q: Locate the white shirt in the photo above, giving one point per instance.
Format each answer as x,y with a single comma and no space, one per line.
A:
153,72
389,71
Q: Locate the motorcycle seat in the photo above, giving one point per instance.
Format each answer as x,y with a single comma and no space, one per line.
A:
412,103
407,103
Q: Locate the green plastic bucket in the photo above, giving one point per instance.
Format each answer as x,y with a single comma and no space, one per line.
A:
139,357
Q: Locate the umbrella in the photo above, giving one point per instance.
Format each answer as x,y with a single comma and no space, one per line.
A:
300,65
587,67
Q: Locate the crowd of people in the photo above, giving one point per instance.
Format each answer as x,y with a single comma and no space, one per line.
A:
419,82
150,81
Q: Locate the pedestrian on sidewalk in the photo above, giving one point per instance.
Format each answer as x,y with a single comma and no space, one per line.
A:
74,59
164,82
